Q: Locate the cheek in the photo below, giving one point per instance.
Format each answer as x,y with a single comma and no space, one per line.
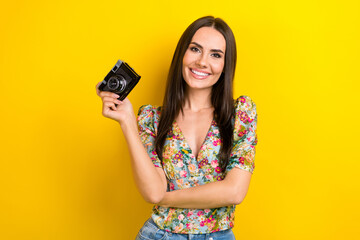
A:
186,58
219,68
183,64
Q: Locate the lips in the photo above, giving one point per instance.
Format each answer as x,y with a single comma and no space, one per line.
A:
199,74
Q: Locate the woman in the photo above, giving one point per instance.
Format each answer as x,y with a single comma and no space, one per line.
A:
195,154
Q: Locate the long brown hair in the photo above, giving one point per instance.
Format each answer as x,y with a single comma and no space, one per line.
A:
221,95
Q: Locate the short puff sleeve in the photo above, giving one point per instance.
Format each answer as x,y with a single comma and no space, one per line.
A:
147,121
245,137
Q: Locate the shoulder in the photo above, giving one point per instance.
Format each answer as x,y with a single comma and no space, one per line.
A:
244,104
148,113
245,120
245,115
149,110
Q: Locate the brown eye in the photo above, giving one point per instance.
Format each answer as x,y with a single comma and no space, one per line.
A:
216,55
195,49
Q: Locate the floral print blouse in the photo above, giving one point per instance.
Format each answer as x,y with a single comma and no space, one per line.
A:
183,170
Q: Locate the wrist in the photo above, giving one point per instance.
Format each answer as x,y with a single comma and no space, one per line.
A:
128,123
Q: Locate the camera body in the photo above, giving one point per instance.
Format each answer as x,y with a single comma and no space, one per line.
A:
120,80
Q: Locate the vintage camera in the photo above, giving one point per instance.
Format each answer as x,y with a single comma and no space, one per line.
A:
120,80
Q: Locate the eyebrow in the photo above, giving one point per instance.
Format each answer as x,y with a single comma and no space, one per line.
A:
212,50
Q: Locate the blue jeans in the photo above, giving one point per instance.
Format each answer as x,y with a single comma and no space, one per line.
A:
150,231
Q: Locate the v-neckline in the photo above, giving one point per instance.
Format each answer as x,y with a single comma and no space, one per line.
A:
186,142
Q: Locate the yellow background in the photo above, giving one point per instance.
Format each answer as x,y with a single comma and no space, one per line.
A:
65,171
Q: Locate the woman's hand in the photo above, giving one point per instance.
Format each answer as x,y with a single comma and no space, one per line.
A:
122,113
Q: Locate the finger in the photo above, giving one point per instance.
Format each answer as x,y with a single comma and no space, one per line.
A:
109,105
108,94
110,99
97,88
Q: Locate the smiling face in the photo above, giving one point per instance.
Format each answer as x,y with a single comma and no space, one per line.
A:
204,59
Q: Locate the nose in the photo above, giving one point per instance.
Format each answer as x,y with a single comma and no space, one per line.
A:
201,61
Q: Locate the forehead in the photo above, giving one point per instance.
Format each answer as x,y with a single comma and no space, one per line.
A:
209,37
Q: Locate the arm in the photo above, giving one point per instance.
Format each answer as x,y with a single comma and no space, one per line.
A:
230,191
150,180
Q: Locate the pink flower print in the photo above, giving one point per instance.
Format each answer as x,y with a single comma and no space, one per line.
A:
214,163
189,213
216,142
189,225
179,228
242,100
203,163
180,164
241,160
192,167
242,133
219,178
216,131
149,132
207,210
202,223
181,217
209,177
243,116
175,136
218,169
172,186
231,224
171,212
200,213
183,173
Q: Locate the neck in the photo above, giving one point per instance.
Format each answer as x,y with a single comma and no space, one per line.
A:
196,100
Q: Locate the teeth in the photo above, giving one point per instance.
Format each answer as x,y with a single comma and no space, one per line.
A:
199,73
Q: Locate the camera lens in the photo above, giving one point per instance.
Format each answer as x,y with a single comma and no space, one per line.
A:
116,83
